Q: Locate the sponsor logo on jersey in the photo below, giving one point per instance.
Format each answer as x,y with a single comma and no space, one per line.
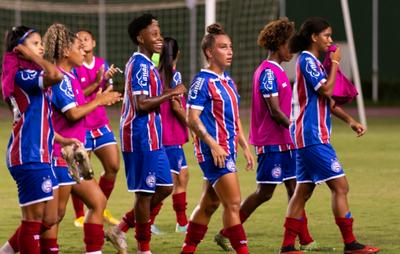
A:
28,74
142,75
66,87
312,68
195,88
268,79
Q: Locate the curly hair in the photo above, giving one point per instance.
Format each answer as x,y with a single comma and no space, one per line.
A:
209,39
275,34
139,23
57,39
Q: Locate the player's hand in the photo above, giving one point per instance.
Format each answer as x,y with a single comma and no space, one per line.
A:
108,97
99,74
219,155
110,72
176,103
249,158
178,90
24,51
358,128
336,56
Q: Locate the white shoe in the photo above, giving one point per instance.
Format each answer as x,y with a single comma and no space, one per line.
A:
155,230
117,238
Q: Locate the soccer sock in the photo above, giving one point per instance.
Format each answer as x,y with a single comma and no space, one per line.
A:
154,212
78,206
13,241
194,235
93,236
48,246
238,239
106,185
179,204
44,227
143,235
304,235
292,229
29,237
243,216
346,228
128,221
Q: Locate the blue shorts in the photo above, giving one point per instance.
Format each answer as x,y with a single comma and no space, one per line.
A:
146,170
34,185
102,137
276,167
317,164
63,176
212,173
176,158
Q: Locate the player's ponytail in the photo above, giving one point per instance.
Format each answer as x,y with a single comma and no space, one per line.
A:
302,40
57,39
209,39
168,55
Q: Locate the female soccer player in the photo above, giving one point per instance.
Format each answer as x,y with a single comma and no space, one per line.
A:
175,132
25,81
213,104
146,163
310,130
67,98
93,75
269,125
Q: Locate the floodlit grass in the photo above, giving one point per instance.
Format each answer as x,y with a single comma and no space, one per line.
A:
372,167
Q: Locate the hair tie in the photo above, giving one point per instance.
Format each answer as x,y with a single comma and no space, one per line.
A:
22,39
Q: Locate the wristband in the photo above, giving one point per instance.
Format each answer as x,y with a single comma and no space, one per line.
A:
336,62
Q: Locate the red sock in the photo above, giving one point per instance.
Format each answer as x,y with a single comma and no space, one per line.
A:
346,228
93,236
44,227
13,241
106,185
154,212
243,216
29,237
194,235
78,206
128,221
143,235
48,246
304,234
238,239
292,229
179,204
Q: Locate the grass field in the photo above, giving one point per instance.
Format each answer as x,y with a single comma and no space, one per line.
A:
372,167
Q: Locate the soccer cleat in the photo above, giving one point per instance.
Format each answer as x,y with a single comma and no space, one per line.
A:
82,158
155,230
223,242
358,248
181,229
290,250
313,246
117,238
78,222
109,218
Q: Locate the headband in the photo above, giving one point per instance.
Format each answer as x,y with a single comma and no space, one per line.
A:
22,39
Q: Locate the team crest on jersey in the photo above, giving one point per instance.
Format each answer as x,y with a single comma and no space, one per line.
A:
47,186
335,166
195,88
151,181
230,165
28,74
142,75
66,87
268,80
312,68
276,171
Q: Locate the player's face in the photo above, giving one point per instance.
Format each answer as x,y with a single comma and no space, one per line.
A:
323,40
76,53
88,43
222,51
151,37
284,52
34,43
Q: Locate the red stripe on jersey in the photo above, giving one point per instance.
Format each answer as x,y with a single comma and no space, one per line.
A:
217,108
197,147
15,151
321,118
302,95
45,131
235,110
127,124
152,116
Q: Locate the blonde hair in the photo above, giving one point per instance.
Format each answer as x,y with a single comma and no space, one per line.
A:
57,39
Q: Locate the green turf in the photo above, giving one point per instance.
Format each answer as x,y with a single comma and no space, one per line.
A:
372,167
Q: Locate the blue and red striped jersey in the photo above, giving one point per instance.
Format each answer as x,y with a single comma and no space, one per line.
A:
217,97
32,134
140,131
310,115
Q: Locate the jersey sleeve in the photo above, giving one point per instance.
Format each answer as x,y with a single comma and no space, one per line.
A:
140,78
29,80
176,79
62,95
312,72
198,93
268,84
